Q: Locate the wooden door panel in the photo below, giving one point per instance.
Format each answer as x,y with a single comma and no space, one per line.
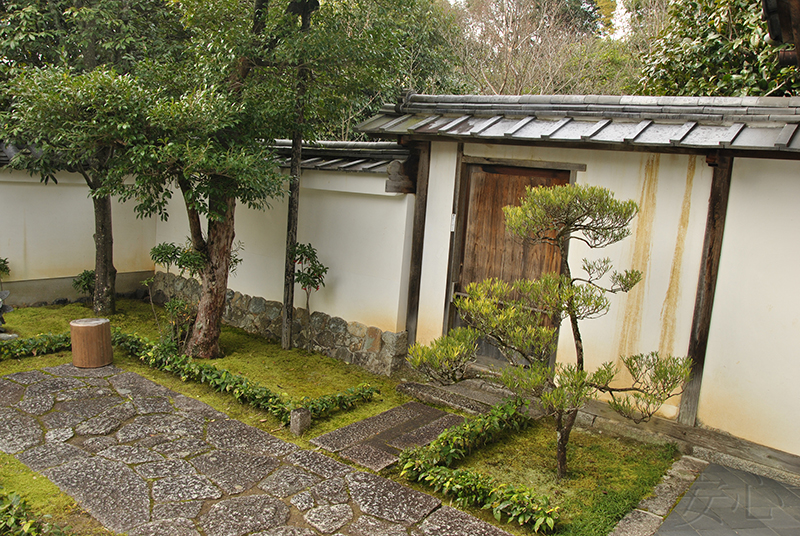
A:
489,251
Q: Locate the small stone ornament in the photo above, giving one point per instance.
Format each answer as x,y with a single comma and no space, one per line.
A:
4,308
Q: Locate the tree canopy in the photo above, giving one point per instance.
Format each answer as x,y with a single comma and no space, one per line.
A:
68,100
716,48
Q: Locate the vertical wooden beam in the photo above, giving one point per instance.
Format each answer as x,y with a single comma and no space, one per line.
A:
457,224
417,241
707,282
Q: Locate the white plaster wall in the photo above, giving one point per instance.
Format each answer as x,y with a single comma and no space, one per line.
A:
360,232
48,229
666,244
436,244
750,381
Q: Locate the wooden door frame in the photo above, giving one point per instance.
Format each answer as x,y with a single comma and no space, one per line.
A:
459,214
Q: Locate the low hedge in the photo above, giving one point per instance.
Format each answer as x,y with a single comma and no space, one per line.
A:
33,346
431,465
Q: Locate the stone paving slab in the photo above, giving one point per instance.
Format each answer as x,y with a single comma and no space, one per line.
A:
147,461
376,442
357,432
728,502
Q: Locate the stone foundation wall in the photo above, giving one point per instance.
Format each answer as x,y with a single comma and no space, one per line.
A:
380,352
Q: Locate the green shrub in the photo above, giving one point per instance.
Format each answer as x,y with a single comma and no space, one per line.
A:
5,271
181,316
431,465
33,346
445,360
84,283
16,519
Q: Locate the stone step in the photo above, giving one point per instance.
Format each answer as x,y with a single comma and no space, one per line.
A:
376,442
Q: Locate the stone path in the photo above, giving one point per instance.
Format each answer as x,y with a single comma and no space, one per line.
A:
729,502
149,461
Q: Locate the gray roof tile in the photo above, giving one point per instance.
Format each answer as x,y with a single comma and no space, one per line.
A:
692,122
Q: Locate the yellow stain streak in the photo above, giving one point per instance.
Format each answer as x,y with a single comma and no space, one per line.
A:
670,306
643,239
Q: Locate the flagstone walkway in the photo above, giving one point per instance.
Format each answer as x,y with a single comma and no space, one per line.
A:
149,461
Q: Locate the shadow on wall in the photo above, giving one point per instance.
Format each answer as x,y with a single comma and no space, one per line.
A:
379,352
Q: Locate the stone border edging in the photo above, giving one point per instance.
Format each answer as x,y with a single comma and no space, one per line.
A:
377,351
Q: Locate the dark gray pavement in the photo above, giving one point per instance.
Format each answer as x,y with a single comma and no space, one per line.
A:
376,442
729,502
149,461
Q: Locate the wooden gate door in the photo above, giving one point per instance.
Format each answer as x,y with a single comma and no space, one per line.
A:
487,249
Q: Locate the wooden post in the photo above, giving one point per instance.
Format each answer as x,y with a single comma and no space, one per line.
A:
707,283
91,342
417,239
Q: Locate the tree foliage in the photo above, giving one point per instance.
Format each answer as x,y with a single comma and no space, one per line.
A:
84,35
253,73
717,48
69,101
520,317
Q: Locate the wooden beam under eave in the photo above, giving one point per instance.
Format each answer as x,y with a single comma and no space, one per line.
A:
707,283
417,240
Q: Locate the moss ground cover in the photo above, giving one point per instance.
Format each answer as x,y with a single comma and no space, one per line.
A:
608,476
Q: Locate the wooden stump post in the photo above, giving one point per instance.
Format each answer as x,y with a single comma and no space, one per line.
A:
91,342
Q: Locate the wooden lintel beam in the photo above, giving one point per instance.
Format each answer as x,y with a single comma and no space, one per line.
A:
707,283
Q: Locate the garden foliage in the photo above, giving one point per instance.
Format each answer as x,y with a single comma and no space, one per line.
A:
445,360
5,271
431,464
33,346
309,271
717,48
16,518
84,283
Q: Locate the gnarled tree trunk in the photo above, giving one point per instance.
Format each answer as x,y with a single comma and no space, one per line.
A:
204,340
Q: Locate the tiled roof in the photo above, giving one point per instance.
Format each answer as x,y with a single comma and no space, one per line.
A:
6,154
747,123
364,157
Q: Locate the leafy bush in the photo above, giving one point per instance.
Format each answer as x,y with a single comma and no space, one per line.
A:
5,271
181,316
446,359
310,272
431,465
84,283
16,519
38,345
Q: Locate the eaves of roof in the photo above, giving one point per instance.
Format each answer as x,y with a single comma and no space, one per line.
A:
689,123
353,157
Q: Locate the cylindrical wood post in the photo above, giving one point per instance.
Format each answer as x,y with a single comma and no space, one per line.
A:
91,342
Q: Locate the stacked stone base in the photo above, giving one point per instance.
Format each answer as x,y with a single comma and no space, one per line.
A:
379,352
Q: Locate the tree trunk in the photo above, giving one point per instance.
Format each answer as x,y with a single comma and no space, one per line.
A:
105,275
294,194
291,242
204,341
564,424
